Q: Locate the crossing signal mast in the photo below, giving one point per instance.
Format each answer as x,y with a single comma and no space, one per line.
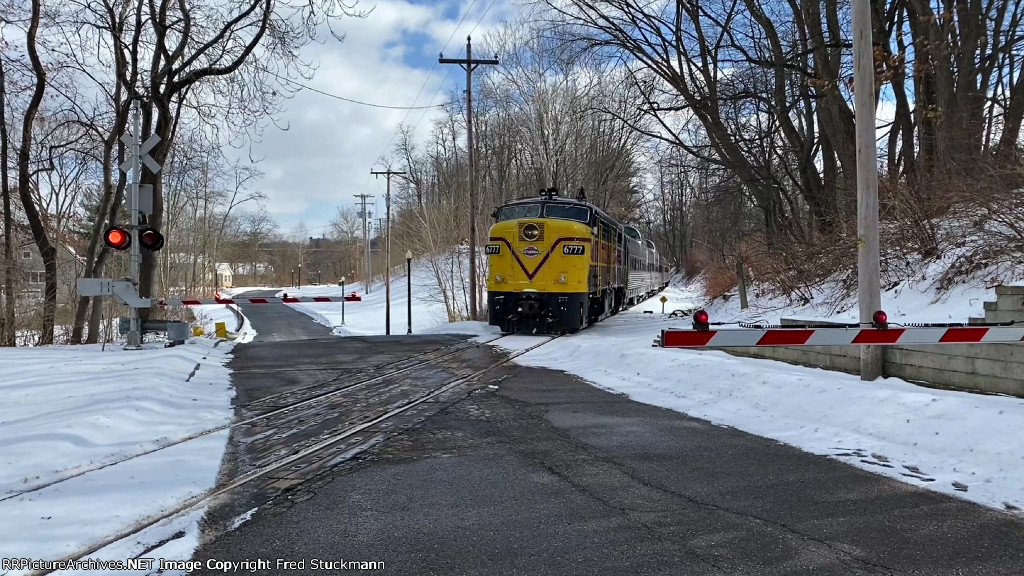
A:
136,236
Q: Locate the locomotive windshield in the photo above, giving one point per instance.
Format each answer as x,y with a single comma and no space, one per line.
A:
567,212
516,211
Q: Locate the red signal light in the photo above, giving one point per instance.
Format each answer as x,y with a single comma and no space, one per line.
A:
117,238
151,239
880,320
700,320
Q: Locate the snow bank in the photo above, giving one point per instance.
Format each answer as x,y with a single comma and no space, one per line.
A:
70,409
208,315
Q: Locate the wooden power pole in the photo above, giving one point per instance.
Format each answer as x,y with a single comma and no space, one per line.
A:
366,239
868,269
387,248
469,64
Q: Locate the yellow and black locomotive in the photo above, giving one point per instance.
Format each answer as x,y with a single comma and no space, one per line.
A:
557,265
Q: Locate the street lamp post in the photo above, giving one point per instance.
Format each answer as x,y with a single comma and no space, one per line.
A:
408,278
299,285
291,279
342,300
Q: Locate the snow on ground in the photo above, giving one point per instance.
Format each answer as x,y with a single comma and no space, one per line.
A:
207,317
367,317
914,300
71,409
234,291
481,332
937,439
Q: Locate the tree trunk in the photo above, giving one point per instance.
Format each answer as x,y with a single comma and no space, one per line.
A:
834,116
110,202
742,280
7,327
1009,142
39,234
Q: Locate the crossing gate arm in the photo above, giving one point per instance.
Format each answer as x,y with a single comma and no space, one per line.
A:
289,300
839,336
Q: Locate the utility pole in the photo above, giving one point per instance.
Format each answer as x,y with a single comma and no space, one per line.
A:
387,250
469,64
366,238
868,268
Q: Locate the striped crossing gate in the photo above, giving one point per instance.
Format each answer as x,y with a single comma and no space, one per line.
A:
288,300
878,333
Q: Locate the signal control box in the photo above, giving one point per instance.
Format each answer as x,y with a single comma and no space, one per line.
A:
177,332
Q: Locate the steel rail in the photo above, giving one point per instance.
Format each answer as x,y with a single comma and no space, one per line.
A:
215,492
449,351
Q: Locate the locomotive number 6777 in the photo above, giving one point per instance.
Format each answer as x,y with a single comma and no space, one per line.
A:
557,265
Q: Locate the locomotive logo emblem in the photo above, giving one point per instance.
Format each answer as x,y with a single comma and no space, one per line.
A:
531,251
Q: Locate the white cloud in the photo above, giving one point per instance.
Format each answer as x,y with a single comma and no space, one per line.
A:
326,154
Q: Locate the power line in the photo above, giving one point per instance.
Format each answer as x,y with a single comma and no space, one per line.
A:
441,85
482,16
325,226
335,96
427,80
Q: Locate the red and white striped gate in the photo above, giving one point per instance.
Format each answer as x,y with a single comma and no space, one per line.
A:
880,333
288,300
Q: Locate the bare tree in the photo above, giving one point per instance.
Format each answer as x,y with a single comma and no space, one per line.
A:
7,330
32,213
198,53
257,230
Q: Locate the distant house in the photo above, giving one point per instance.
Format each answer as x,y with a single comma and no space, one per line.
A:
29,263
225,275
248,273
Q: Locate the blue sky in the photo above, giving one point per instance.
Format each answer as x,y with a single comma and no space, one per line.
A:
388,58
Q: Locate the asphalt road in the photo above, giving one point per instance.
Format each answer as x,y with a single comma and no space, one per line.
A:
278,323
537,472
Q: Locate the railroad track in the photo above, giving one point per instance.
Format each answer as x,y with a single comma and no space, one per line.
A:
293,399
313,451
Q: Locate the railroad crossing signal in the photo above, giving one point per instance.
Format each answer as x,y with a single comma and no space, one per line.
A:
151,239
120,238
700,321
117,238
132,162
140,200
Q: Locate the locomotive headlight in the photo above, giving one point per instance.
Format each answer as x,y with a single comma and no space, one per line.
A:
498,278
562,279
531,232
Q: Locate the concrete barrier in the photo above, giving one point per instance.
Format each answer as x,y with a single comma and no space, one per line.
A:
992,368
